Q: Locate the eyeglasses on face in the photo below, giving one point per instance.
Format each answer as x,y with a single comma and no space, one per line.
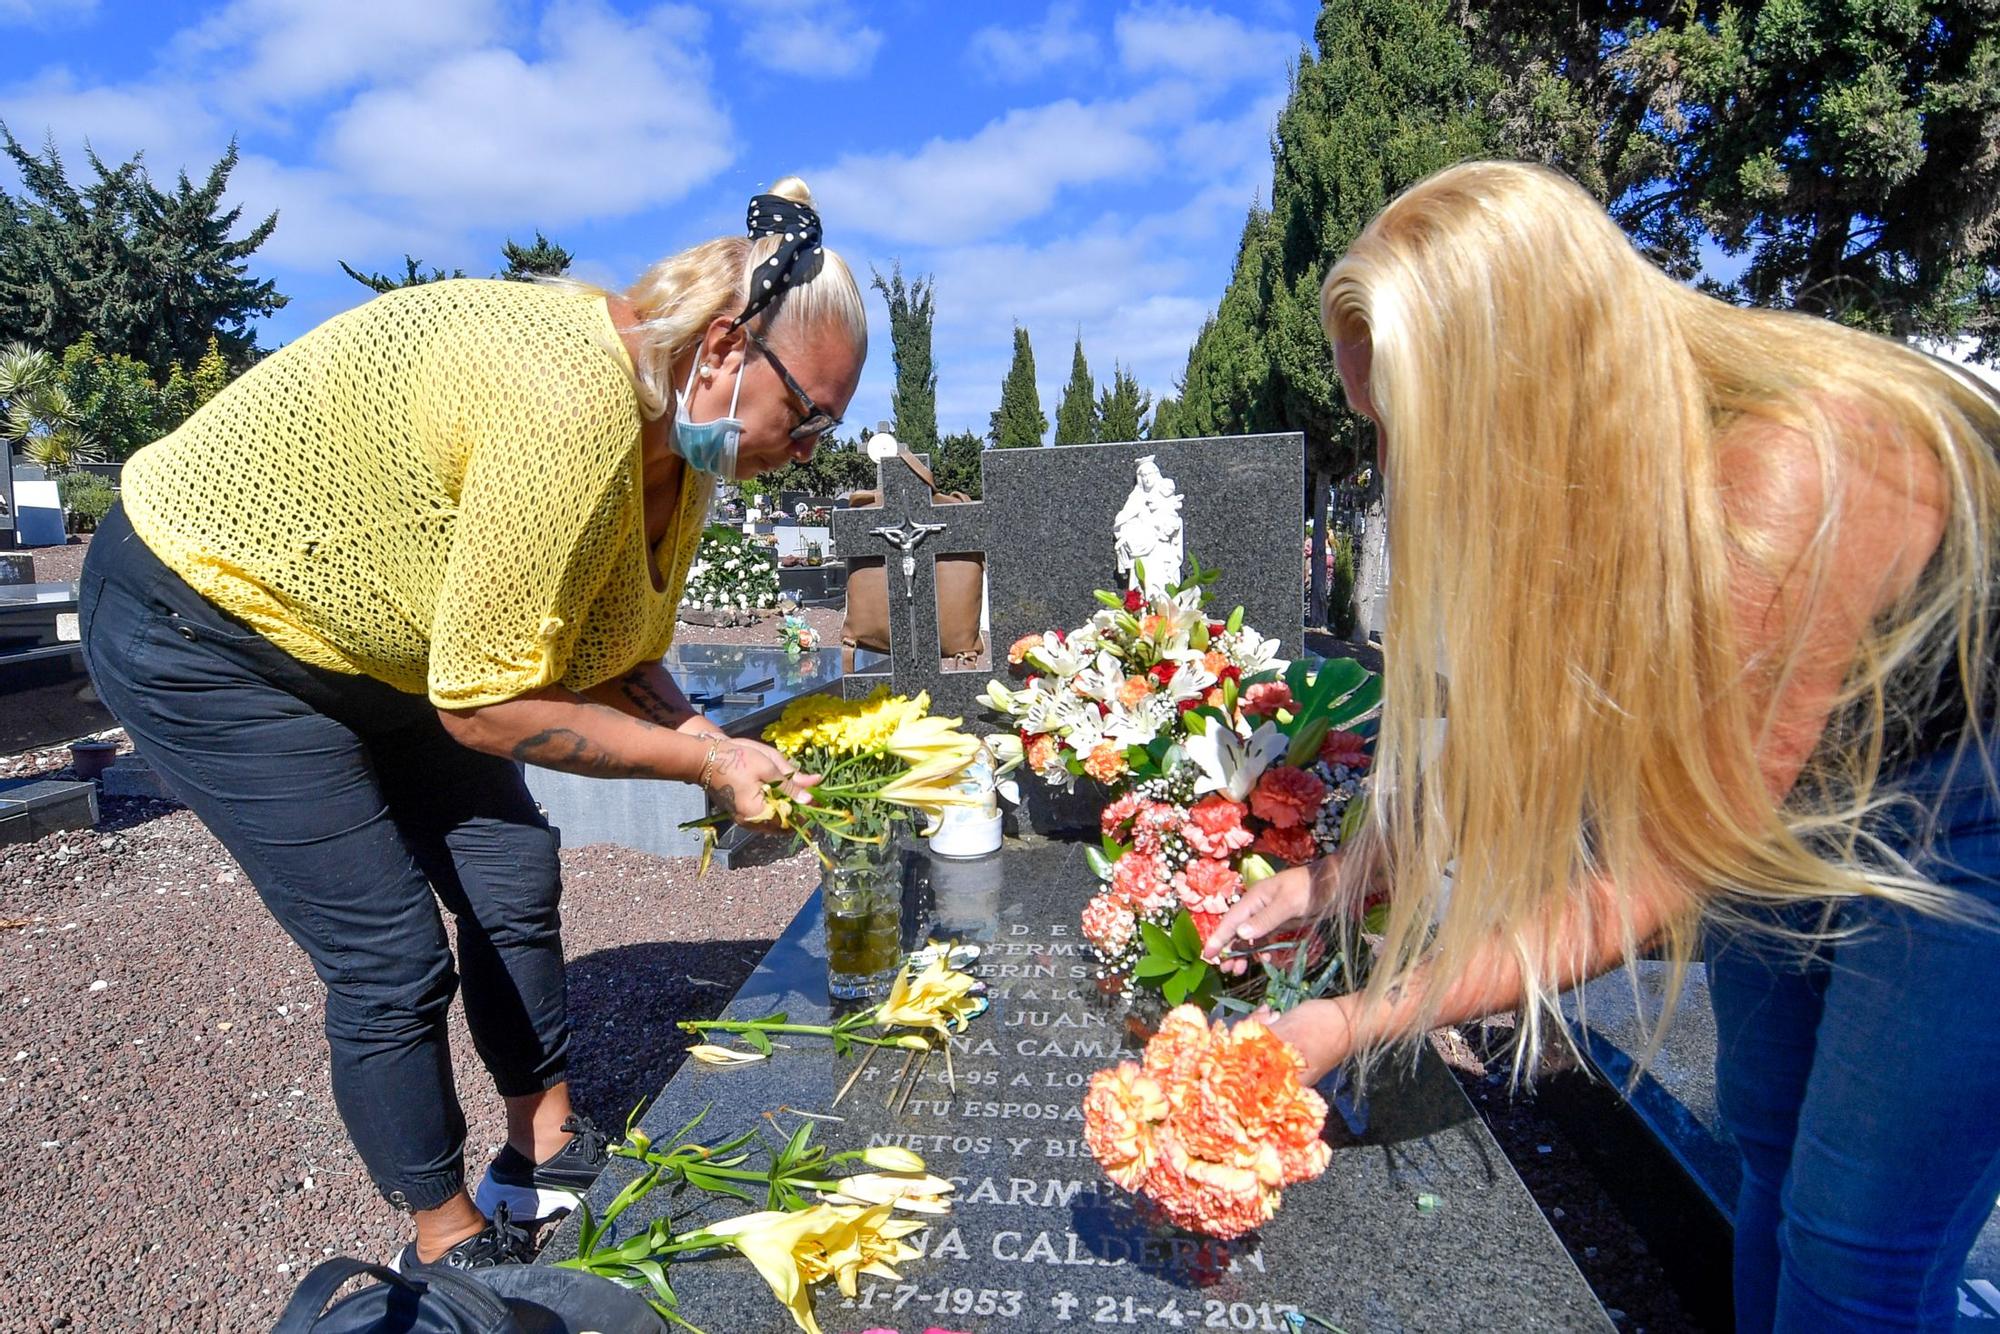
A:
815,423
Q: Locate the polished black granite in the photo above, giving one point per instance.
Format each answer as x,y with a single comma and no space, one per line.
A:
742,687
1038,1240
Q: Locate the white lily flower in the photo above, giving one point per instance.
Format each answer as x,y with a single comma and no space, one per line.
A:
999,698
1254,653
1232,764
1055,657
1006,750
1132,727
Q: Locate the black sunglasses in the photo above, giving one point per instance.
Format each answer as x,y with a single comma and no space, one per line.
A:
817,423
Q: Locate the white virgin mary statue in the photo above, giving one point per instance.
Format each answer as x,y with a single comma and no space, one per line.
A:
1149,533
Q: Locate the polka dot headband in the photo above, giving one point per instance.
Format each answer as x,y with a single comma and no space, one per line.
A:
797,228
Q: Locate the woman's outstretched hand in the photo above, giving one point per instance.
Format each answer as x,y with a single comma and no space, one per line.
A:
742,770
1272,905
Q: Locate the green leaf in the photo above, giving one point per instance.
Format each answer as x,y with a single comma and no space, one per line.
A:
778,1018
1074,765
1306,742
655,1275
1362,701
1113,850
1155,965
1190,979
1138,761
1353,818
1375,919
1156,940
1186,939
1175,988
1100,865
756,1041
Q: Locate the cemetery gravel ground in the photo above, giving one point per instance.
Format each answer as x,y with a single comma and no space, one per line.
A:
172,1159
59,565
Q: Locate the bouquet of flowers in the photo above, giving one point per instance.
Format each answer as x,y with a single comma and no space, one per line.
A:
796,635
883,760
1221,757
730,572
1211,1125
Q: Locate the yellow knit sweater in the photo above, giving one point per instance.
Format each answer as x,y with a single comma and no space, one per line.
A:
440,489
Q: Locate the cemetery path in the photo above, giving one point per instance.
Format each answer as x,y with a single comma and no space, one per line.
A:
171,1157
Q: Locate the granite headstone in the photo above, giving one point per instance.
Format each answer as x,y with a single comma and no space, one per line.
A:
1037,1239
1045,525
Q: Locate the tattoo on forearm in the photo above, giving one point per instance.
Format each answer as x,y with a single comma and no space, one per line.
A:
652,704
572,752
722,782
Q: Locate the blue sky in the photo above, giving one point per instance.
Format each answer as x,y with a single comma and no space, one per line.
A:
1065,165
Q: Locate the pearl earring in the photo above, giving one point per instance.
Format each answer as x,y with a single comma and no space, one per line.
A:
707,373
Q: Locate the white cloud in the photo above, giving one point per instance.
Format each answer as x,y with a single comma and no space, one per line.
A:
44,13
1200,43
615,116
321,223
816,38
281,52
953,190
1016,54
166,120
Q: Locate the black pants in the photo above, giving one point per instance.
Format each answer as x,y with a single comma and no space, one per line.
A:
347,804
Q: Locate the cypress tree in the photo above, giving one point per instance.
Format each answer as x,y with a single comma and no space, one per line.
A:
543,259
912,313
1076,415
1123,406
1018,422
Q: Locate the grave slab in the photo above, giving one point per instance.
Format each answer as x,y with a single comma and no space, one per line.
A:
32,807
1038,1240
1675,1101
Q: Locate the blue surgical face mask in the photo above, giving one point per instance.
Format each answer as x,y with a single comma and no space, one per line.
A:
708,446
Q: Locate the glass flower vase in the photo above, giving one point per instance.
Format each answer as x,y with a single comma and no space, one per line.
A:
861,891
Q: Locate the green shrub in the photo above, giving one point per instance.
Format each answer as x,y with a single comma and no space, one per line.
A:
1340,615
86,499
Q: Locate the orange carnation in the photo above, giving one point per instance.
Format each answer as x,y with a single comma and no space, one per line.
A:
1105,762
1212,1126
1043,751
1135,689
1119,1114
1017,653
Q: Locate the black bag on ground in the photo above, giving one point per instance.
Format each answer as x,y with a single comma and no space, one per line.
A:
507,1299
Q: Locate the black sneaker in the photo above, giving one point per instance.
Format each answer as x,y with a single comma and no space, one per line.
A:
499,1243
540,1191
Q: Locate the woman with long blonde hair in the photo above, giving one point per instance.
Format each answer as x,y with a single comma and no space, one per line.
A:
438,537
1704,599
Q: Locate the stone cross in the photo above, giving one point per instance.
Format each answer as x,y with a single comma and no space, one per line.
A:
909,527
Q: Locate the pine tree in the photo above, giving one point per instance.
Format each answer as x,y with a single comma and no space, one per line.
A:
413,276
151,273
911,315
544,259
1076,415
1123,407
1018,423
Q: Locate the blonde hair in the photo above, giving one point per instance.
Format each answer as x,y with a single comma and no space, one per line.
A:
1551,405
680,296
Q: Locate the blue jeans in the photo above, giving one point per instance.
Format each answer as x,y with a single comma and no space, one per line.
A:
349,807
1862,1084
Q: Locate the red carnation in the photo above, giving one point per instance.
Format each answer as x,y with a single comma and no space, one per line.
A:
1164,672
1134,600
1348,748
1294,844
1264,699
1287,797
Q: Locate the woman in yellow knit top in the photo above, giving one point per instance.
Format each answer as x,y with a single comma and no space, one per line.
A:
440,535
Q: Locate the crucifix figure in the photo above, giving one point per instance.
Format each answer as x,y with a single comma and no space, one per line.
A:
906,539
